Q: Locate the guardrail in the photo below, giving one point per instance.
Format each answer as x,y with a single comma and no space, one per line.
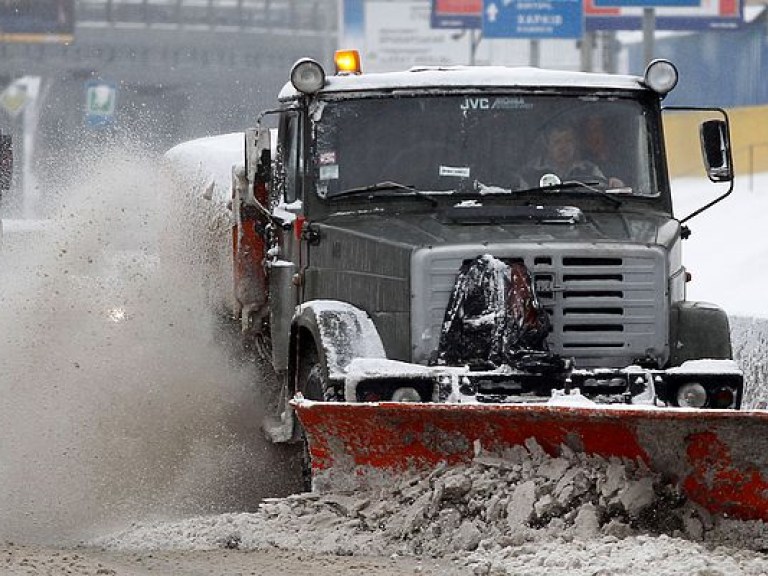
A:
296,14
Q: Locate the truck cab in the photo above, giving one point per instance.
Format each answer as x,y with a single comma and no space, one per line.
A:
400,202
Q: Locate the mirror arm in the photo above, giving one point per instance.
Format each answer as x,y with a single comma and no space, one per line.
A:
708,206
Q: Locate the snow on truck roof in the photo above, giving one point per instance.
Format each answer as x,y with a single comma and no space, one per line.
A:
447,77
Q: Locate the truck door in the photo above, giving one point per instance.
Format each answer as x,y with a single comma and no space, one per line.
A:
292,156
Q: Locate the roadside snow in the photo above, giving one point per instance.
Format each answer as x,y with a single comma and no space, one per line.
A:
727,247
529,512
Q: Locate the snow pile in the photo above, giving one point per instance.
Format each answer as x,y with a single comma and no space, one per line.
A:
750,350
725,249
493,514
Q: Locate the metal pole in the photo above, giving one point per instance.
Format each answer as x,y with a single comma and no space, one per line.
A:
330,41
535,57
474,40
610,48
649,26
587,43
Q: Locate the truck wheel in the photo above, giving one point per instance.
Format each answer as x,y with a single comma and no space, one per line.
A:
311,381
312,384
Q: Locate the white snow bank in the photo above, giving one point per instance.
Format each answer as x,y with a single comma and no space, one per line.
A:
728,246
574,514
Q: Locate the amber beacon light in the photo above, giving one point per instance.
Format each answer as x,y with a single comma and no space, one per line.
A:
347,62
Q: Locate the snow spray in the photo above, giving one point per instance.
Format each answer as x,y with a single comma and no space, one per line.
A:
122,396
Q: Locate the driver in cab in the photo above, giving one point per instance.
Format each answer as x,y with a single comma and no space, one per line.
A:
564,160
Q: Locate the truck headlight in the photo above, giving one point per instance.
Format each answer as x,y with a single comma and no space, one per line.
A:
307,76
406,394
723,398
661,76
691,395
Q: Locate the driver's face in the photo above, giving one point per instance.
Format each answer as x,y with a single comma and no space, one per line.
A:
562,146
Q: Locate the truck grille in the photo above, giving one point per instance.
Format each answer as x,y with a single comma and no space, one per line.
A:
608,308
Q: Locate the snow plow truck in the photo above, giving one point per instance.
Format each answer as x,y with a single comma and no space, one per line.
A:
449,259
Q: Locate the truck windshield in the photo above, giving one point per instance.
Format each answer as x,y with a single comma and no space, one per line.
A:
490,143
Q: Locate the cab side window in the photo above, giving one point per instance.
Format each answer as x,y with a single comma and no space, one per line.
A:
292,156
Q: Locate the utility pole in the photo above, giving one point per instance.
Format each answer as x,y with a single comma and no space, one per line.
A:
587,51
535,56
649,27
474,41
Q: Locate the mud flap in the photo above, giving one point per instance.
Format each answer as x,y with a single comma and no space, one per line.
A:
719,458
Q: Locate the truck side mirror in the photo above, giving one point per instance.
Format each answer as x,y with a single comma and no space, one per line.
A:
258,156
715,149
258,160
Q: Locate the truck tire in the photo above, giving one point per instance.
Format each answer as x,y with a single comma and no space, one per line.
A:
312,383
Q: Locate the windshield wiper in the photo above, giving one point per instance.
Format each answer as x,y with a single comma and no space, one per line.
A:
570,185
386,186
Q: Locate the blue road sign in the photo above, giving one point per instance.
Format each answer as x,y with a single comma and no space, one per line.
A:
533,19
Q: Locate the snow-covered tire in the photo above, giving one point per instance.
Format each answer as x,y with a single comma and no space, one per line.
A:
313,384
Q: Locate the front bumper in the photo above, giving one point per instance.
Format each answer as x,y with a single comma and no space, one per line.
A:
377,380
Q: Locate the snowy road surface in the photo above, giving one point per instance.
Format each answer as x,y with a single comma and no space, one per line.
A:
129,439
18,560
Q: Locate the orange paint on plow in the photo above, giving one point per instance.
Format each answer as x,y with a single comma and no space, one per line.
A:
717,457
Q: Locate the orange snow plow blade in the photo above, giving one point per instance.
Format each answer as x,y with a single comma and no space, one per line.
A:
718,457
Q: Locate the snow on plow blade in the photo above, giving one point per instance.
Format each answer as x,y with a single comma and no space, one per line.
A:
718,457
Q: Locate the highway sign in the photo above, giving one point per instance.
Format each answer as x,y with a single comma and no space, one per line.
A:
457,13
14,98
533,19
100,100
397,35
707,15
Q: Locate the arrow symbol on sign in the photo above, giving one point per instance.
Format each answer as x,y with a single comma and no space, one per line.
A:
492,12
